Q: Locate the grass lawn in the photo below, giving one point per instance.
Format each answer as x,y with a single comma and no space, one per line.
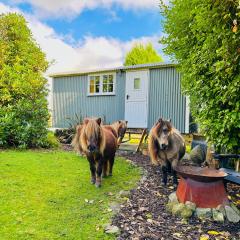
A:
45,195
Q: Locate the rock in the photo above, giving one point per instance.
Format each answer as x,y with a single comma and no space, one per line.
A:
115,207
217,215
186,213
235,208
204,213
173,197
110,229
221,209
177,208
124,193
204,237
190,205
170,205
197,155
232,216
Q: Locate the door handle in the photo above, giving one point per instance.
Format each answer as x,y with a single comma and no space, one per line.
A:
127,96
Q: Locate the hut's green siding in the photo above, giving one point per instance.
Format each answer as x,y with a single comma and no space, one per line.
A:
70,98
165,97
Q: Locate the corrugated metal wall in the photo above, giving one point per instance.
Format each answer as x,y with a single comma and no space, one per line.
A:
70,98
165,98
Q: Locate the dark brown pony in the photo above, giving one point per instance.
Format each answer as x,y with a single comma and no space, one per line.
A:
99,145
118,129
166,147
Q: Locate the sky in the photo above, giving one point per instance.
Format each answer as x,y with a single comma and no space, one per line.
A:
89,34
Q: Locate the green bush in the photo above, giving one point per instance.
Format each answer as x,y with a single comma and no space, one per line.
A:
203,36
52,140
23,105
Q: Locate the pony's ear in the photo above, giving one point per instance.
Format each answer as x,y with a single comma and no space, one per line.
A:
170,120
126,122
98,120
119,121
160,120
85,121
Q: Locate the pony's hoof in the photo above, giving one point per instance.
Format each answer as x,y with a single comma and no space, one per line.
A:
93,181
98,185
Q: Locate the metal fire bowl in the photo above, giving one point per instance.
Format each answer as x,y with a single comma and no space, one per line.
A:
200,174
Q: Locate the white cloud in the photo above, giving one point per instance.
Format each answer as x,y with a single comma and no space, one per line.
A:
71,8
91,52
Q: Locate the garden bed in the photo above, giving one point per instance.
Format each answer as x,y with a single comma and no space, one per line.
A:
145,216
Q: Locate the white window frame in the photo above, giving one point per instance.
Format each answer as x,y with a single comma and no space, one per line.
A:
101,93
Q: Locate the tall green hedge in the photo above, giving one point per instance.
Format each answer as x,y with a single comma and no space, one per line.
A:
23,105
204,37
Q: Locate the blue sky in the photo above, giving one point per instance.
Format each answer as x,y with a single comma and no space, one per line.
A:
89,33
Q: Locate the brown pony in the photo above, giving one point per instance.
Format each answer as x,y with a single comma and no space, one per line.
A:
166,147
118,129
99,145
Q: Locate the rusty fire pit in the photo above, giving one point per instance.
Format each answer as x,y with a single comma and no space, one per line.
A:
203,186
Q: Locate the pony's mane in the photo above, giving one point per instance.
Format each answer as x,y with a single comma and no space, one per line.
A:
75,142
90,128
115,126
154,135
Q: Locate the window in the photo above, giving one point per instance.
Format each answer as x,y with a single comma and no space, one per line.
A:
107,83
137,84
101,84
94,84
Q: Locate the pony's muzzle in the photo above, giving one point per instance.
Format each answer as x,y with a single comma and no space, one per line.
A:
163,146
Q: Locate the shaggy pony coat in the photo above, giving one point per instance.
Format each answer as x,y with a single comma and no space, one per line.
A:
166,147
118,129
99,145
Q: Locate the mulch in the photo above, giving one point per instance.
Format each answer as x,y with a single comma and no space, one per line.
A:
144,215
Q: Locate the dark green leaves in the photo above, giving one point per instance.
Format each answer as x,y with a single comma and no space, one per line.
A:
199,36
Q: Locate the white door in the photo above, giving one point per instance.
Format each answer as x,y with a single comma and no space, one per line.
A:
136,98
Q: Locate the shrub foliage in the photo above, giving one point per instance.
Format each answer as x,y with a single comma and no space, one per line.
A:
141,54
23,105
204,37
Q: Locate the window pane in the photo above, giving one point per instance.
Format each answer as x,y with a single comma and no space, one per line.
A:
110,79
105,88
97,80
136,83
97,88
92,88
105,79
110,88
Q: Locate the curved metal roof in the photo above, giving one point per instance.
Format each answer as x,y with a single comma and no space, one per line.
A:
122,68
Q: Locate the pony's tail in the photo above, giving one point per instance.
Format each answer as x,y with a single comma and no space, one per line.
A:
76,140
152,150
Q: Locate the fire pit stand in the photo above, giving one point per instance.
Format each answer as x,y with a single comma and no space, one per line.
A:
202,186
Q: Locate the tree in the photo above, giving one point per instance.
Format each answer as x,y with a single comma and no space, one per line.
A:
141,54
204,38
23,104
